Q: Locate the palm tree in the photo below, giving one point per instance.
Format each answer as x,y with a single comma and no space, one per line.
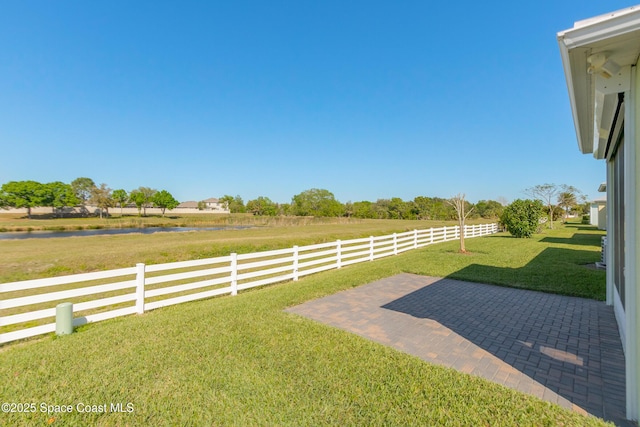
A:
567,200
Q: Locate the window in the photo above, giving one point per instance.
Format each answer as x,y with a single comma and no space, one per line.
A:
618,218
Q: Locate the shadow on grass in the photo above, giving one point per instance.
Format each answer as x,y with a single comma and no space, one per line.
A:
556,270
582,226
582,239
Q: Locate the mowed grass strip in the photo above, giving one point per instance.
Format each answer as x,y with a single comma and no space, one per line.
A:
244,361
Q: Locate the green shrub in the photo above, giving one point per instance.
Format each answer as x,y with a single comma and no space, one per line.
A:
522,217
586,219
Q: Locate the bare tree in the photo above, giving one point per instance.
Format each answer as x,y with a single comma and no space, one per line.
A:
459,204
562,195
547,193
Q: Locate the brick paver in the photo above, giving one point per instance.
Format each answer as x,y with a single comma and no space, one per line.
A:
561,349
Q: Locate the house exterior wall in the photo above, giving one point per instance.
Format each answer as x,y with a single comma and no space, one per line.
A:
623,241
633,357
602,217
598,215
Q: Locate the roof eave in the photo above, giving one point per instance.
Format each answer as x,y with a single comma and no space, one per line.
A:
576,45
581,111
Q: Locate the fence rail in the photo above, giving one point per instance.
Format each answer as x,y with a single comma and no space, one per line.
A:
25,313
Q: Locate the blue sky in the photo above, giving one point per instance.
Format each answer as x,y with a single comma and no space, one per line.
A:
368,99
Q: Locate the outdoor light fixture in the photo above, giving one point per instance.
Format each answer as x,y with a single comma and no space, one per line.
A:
599,64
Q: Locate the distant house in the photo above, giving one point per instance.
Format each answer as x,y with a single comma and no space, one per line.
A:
212,205
598,211
600,60
188,205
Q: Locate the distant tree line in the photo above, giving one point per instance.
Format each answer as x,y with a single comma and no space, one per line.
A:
80,193
560,200
321,202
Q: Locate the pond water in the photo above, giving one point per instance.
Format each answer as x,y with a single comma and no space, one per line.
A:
10,235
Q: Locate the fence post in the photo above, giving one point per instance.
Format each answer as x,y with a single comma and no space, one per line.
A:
338,254
234,274
140,288
415,238
370,248
295,263
444,234
431,236
64,318
395,244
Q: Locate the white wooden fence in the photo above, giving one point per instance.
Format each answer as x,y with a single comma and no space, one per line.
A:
27,308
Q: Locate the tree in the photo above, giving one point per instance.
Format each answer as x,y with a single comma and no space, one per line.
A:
164,200
121,197
462,211
399,209
143,198
489,208
238,205
283,208
82,188
316,202
262,206
363,209
434,208
422,205
569,199
546,193
24,194
233,204
381,208
522,217
348,209
137,197
101,197
60,196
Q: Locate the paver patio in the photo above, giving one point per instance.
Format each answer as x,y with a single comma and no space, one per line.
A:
561,349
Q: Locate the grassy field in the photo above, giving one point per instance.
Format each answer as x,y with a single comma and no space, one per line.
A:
243,361
36,258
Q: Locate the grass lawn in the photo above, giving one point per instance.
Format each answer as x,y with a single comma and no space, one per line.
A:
243,361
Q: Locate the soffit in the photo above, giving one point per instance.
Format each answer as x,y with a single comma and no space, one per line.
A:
617,37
